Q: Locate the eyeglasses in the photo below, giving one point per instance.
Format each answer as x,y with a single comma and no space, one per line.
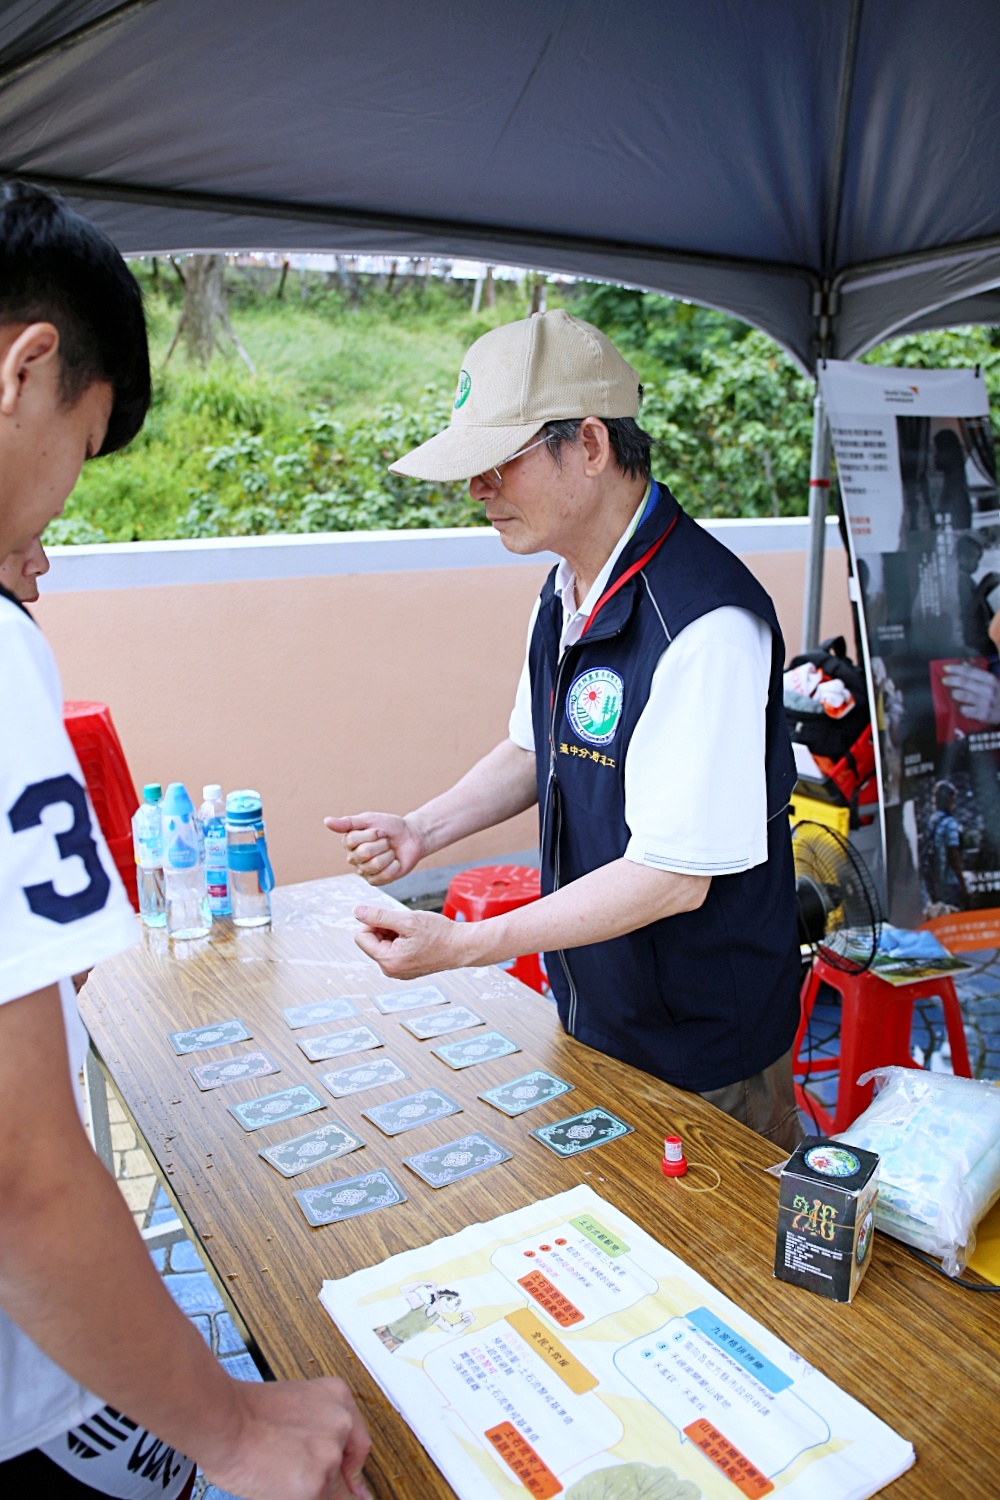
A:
520,454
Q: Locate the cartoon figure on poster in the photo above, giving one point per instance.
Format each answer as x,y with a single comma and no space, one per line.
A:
429,1306
920,491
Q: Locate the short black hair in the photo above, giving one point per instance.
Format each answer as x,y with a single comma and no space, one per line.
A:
56,267
631,446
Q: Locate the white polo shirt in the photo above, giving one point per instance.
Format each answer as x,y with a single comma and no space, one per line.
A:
695,791
62,909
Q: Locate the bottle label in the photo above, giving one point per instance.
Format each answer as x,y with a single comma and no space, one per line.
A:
181,856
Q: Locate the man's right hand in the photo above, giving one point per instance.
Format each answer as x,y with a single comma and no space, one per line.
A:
300,1440
380,846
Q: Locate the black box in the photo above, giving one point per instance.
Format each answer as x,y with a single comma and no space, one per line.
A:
826,1217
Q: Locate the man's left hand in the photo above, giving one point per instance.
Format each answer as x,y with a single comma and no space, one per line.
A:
410,944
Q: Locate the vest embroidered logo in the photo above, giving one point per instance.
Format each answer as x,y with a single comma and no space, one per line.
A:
594,705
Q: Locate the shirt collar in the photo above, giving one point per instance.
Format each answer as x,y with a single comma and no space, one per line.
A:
565,578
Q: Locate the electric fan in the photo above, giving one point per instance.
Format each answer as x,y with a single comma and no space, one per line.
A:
840,915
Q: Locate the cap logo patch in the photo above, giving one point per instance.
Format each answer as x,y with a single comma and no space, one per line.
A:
594,705
464,387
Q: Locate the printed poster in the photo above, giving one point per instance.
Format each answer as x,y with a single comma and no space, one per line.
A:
917,472
559,1350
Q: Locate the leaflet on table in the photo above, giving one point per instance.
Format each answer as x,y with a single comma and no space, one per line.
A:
561,1350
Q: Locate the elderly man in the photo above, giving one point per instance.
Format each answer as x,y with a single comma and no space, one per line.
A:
648,727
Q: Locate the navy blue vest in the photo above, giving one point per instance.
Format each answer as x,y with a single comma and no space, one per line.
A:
707,997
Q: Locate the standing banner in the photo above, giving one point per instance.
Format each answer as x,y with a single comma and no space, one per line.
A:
918,479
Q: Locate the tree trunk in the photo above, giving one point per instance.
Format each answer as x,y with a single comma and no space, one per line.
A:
204,323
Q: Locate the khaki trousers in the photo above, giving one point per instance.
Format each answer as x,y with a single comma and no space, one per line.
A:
765,1102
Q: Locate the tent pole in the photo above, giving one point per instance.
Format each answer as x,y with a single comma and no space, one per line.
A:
819,490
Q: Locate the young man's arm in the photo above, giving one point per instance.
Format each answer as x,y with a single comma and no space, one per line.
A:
77,1279
384,847
617,898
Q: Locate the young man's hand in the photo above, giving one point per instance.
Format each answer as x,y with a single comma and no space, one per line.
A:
301,1440
380,846
410,944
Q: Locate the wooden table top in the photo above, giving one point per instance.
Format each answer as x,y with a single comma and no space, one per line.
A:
920,1353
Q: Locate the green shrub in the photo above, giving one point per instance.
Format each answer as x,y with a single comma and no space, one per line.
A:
351,378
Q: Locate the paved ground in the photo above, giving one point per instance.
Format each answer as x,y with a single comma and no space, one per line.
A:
194,1291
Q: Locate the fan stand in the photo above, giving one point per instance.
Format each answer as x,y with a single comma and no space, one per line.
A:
876,1020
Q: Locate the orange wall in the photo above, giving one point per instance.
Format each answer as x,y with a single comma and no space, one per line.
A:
330,694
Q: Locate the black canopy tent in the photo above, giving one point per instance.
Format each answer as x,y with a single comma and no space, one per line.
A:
827,171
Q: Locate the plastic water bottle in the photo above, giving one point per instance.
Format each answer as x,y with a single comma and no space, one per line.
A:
188,914
147,844
212,816
251,879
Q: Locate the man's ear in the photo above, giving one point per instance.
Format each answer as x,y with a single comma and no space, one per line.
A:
33,350
593,435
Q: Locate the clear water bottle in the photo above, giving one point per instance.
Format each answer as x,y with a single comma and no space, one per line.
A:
188,914
212,816
147,844
251,879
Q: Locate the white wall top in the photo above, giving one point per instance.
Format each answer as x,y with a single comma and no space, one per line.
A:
130,565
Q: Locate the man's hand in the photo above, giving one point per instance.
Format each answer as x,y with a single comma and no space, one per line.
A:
410,944
976,692
380,846
302,1440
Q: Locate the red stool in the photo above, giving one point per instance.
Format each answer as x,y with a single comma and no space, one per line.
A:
876,1019
109,782
490,891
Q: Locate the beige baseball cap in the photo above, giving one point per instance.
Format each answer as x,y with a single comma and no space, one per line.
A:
513,380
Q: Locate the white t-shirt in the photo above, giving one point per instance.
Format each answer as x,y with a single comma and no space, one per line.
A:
695,789
62,909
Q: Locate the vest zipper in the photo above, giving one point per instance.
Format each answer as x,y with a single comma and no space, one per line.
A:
550,792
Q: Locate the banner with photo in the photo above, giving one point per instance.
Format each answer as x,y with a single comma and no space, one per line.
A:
917,473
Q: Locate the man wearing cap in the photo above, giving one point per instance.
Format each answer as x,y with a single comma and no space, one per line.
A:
648,727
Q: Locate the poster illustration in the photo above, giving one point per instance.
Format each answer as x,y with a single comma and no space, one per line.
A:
559,1350
918,478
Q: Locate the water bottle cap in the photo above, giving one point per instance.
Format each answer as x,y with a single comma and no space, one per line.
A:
152,792
212,792
243,807
176,802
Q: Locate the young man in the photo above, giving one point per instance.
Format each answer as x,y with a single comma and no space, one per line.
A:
648,726
84,1317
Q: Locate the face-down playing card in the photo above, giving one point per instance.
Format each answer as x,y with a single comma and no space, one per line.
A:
427,994
582,1132
339,1043
461,1158
337,1009
397,1115
367,1075
314,1149
198,1038
525,1092
352,1196
475,1049
213,1075
456,1018
287,1104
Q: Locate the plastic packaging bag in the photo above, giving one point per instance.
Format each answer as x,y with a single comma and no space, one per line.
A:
939,1140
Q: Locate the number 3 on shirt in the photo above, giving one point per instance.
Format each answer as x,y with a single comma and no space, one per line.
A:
78,839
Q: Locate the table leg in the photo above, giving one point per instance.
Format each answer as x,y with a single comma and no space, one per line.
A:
96,1093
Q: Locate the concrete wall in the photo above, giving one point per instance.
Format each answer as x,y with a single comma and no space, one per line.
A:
334,673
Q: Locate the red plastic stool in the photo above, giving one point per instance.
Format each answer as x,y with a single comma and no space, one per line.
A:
876,1019
109,782
490,891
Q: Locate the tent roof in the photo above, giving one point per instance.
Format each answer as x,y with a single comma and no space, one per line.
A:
778,160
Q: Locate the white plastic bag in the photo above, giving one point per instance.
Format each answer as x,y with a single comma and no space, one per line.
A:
939,1141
